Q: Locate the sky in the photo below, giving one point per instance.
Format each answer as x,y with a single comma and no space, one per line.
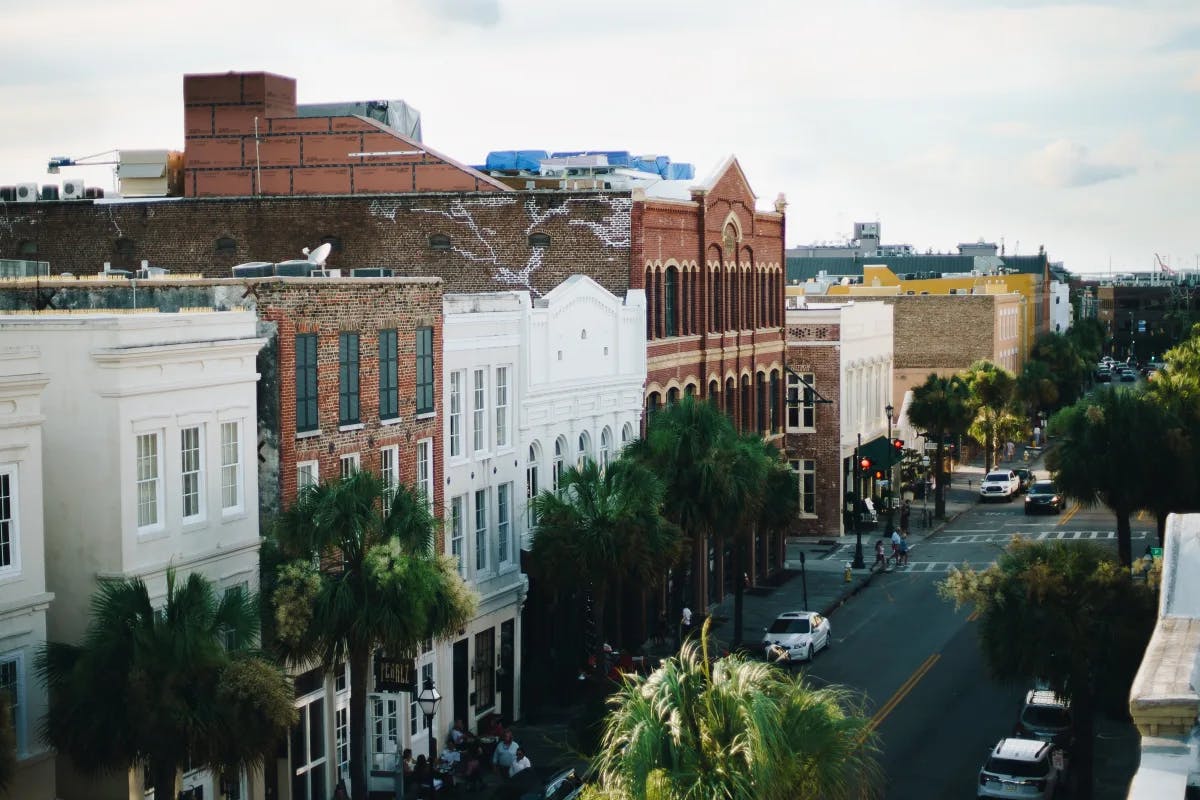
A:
1073,126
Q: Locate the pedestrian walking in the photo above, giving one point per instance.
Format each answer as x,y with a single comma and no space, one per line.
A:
896,540
1037,436
880,559
904,550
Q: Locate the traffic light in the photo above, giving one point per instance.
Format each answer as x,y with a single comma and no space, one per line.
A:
865,464
898,445
879,474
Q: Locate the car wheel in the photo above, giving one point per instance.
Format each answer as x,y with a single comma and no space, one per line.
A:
808,654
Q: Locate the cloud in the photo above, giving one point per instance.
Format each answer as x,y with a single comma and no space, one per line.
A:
1066,164
483,13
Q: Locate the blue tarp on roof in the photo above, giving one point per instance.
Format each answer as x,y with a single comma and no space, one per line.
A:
680,172
508,160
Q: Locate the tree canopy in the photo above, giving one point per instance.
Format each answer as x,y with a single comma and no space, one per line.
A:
941,407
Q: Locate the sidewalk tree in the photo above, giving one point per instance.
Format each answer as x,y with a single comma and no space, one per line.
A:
1064,363
992,391
734,729
379,583
604,529
1063,613
1036,388
1105,443
942,408
162,687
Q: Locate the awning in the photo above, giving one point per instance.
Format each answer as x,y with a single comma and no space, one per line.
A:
880,451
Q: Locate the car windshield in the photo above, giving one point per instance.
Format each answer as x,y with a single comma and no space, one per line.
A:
997,476
1046,717
1017,769
790,625
1042,487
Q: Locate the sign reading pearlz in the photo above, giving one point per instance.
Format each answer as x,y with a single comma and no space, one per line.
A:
393,674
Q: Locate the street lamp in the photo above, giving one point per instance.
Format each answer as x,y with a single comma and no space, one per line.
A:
428,699
888,409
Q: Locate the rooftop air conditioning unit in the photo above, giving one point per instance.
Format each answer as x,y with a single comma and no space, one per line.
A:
28,192
73,190
325,273
371,272
49,192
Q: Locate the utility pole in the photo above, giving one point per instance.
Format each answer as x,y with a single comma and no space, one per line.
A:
859,563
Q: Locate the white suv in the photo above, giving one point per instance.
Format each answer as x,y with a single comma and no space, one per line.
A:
1022,768
1000,484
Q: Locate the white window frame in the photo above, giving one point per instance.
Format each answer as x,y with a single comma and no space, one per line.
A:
425,471
605,448
479,438
389,473
458,522
302,704
19,700
559,465
481,530
504,494
454,419
805,412
10,525
152,482
308,473
197,473
341,727
502,406
626,435
348,464
232,470
531,484
584,451
801,468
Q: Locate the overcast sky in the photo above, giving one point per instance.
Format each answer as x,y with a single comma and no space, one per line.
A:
1074,126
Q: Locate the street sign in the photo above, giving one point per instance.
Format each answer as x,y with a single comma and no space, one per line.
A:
1156,552
930,447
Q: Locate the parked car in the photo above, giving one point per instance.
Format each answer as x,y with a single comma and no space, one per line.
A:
1043,496
1103,375
1128,375
1026,477
1001,484
795,636
1046,717
1024,768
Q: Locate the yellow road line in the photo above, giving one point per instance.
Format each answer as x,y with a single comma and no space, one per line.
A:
903,691
1069,516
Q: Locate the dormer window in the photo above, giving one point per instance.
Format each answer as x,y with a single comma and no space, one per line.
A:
439,241
539,240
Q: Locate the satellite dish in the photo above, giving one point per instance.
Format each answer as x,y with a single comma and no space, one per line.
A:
319,255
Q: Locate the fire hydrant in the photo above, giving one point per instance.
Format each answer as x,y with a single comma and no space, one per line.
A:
846,573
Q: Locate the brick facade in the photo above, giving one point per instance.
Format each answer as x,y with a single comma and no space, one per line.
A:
815,350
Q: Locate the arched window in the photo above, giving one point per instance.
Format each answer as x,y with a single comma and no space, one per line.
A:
714,393
747,415
226,246
539,240
652,404
670,287
626,434
774,401
735,297
672,395
761,391
584,453
651,304
439,241
605,447
531,482
690,390
730,404
560,452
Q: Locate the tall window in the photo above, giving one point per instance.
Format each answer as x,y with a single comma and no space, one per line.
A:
457,531
761,391
718,324
531,483
389,473
485,669
190,473
479,410
425,471
801,408
424,370
806,480
389,368
308,474
149,478
626,434
306,382
11,685
231,465
481,516
670,287
605,447
503,519
348,379
348,465
501,406
584,453
455,415
560,448
774,402
8,519
309,760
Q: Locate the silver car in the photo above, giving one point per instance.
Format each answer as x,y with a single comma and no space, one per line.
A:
795,636
1024,768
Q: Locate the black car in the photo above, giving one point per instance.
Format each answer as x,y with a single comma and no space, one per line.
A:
1045,716
1103,376
1043,496
1025,476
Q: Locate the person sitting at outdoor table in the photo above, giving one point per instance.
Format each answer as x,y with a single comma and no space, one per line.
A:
493,726
504,754
459,735
520,762
473,766
423,776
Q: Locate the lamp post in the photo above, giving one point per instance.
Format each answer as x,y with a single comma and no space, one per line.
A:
859,563
888,409
428,699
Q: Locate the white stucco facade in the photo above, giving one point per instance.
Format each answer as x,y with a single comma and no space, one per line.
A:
1061,313
23,595
584,370
149,445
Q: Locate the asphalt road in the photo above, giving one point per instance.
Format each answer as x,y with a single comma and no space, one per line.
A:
915,659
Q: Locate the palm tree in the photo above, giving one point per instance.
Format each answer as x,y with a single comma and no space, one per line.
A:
177,684
1060,612
1104,443
992,390
942,407
1036,388
604,529
734,729
379,584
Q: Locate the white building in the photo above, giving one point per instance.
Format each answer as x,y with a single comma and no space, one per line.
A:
584,369
23,595
1061,313
149,441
